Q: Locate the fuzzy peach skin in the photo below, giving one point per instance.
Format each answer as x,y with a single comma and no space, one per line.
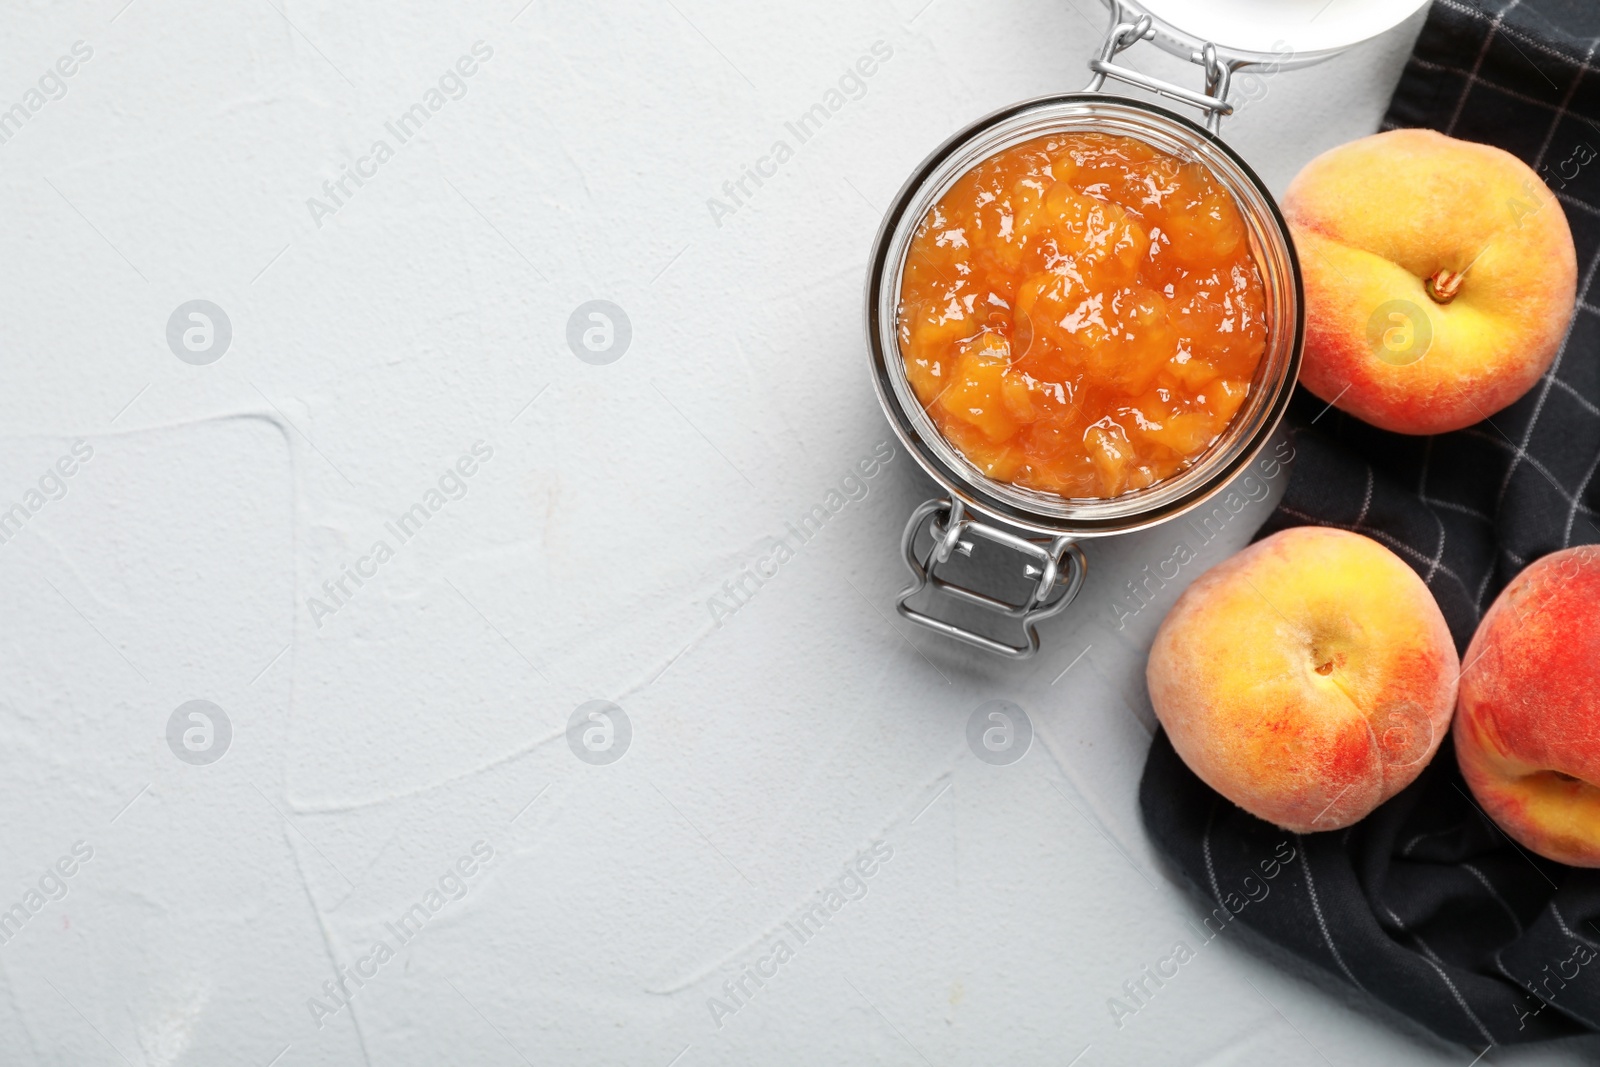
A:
1528,722
1307,679
1374,221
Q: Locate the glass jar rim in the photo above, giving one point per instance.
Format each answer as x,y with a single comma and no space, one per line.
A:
1251,425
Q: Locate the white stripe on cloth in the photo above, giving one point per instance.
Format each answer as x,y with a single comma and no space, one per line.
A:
1433,961
1495,893
1477,65
1205,847
1316,908
1566,98
1538,409
1562,922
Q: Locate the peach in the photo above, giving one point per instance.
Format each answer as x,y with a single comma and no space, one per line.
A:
1439,278
1307,679
1528,722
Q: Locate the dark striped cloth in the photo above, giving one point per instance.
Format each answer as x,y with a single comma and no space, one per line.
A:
1425,905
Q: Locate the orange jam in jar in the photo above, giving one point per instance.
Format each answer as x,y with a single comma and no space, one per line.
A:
1081,314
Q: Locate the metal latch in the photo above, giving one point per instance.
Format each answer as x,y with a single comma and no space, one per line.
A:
1055,565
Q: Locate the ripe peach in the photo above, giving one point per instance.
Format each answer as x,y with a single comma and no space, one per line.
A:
1439,278
1307,679
1528,723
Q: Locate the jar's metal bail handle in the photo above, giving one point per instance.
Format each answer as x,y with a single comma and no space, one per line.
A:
1057,563
1125,32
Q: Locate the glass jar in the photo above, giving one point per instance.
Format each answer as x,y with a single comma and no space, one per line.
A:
1043,529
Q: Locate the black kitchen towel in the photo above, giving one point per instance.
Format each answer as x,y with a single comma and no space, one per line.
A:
1426,905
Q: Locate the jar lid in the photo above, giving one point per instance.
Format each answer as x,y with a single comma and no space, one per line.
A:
1282,32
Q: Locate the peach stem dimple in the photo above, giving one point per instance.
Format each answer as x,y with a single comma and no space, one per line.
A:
1443,285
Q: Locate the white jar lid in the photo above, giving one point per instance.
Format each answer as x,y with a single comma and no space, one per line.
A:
1287,32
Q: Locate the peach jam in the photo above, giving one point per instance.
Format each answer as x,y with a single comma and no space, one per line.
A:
1081,314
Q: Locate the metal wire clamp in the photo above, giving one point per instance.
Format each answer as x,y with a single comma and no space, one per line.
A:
1125,32
1057,563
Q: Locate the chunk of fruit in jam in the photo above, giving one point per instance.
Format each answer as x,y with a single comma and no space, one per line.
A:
1081,314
